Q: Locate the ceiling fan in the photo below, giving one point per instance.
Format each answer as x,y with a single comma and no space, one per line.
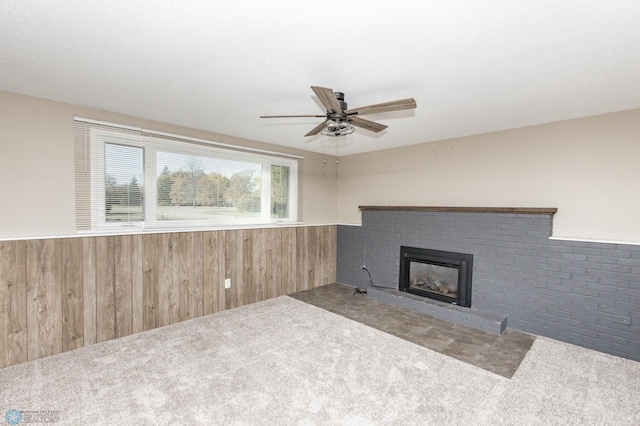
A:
340,121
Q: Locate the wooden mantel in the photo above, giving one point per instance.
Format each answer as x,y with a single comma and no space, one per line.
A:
511,210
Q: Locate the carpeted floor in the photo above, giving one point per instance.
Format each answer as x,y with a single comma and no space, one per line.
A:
283,361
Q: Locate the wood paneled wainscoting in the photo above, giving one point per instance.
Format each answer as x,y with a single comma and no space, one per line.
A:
66,293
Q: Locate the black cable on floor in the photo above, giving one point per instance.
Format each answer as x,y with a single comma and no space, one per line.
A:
370,280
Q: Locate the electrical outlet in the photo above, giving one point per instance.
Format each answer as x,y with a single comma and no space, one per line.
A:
227,283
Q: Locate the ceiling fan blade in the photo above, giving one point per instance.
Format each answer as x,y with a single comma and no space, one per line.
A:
384,107
290,116
366,124
316,129
328,98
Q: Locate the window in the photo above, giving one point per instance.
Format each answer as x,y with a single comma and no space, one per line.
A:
134,178
123,183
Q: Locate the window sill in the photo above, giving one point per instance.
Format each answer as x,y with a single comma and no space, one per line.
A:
135,230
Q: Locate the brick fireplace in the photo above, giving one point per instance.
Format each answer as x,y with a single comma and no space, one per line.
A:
583,293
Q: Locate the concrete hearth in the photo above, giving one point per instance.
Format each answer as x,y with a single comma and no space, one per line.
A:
469,317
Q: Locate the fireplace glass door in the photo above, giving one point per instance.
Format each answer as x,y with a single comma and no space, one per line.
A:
438,279
436,274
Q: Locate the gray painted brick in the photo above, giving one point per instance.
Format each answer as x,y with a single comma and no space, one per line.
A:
589,251
619,252
582,279
585,291
561,263
546,287
614,267
574,270
574,257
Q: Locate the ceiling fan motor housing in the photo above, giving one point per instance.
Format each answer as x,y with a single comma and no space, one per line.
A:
338,115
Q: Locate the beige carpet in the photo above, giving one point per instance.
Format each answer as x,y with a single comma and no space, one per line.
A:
283,361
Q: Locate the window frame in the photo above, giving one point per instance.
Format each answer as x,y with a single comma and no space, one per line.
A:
151,144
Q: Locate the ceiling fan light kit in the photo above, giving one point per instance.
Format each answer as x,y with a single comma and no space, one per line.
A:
337,128
341,121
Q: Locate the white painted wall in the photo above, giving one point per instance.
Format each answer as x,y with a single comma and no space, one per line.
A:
37,198
588,168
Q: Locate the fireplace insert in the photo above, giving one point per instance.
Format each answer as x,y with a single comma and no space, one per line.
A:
437,274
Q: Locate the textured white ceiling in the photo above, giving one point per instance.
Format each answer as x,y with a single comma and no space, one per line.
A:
472,66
